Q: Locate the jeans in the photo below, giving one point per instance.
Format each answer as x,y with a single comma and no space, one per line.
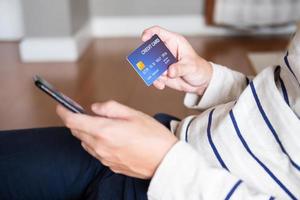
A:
49,163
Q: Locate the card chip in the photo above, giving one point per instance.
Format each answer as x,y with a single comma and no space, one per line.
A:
140,65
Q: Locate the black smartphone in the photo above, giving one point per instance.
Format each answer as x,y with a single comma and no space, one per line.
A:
58,96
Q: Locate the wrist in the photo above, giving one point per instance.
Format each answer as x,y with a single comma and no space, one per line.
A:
163,151
206,71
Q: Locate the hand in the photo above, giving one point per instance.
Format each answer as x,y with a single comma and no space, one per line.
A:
126,140
191,73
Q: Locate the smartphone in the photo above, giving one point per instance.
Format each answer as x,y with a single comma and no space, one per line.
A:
58,96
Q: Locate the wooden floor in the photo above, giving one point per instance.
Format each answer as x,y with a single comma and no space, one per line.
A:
102,74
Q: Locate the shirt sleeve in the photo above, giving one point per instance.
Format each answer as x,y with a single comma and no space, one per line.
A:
184,174
226,85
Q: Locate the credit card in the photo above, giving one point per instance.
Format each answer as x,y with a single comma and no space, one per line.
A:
151,59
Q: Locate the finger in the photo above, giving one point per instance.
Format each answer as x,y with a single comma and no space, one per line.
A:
90,125
113,109
149,32
161,32
178,69
162,79
106,163
89,150
159,85
70,119
119,169
87,138
181,85
63,113
74,132
169,38
93,153
116,170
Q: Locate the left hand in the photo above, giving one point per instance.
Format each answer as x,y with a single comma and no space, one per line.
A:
191,73
127,141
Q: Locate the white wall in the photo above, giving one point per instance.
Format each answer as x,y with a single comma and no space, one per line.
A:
145,7
11,20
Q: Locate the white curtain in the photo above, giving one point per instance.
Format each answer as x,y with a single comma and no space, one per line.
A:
248,13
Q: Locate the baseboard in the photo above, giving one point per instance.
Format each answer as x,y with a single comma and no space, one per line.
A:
71,48
133,26
60,49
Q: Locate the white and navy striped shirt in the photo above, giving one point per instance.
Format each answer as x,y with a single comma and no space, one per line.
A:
246,145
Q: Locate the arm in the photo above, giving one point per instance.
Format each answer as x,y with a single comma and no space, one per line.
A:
184,174
124,140
207,84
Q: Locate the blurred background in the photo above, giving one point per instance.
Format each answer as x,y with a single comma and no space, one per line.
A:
80,46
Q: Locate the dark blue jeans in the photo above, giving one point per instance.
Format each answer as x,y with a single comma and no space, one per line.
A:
49,163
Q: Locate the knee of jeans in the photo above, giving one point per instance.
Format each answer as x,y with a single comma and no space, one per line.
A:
164,117
158,116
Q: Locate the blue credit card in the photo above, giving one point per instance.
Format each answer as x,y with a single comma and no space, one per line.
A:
151,59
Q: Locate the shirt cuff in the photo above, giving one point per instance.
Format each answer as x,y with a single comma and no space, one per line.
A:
225,85
170,175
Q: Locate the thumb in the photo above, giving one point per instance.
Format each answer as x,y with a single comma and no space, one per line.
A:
113,109
178,69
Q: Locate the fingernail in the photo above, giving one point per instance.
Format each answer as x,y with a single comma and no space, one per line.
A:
94,107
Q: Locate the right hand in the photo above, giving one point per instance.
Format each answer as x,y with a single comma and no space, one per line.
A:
191,73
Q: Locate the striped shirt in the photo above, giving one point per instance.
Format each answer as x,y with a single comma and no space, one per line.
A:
245,145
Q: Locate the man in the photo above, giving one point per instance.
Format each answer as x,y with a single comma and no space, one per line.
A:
244,146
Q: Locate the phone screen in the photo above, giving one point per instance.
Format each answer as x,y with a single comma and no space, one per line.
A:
58,96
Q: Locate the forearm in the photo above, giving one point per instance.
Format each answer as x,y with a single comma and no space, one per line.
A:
184,174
